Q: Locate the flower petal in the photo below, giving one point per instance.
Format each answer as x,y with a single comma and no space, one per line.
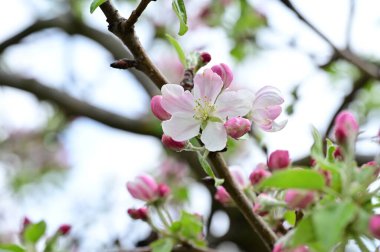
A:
207,86
233,104
181,128
214,136
176,100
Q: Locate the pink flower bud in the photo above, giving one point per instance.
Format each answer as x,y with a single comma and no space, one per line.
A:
374,225
278,160
258,175
205,57
237,126
163,190
143,188
157,109
327,175
239,177
280,248
346,127
297,199
224,72
259,209
338,154
64,229
222,195
26,222
170,143
138,214
301,248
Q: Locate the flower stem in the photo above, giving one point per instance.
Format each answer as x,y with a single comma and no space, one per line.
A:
361,245
162,216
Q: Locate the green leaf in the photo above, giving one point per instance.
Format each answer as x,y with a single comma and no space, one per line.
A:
178,49
162,245
180,10
304,232
34,232
11,248
340,215
290,217
317,148
294,178
95,4
330,150
189,227
207,168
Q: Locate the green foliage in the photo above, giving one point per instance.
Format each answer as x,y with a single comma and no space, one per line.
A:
178,49
180,10
95,4
207,168
290,217
33,232
162,245
189,227
294,178
11,248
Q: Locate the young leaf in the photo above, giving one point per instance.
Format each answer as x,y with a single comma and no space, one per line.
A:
317,148
34,232
290,217
162,245
330,150
178,49
340,214
95,4
11,248
180,10
294,178
207,168
303,233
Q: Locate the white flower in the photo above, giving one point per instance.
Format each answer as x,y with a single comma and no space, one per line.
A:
266,108
207,107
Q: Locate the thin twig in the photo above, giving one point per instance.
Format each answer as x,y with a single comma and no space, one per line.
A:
365,66
74,106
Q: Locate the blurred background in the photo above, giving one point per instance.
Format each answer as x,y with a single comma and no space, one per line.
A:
63,158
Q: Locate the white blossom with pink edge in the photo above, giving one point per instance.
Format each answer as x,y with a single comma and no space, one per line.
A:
266,108
207,107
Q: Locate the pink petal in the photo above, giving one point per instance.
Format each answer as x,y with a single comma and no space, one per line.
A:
181,128
207,86
176,100
233,104
214,136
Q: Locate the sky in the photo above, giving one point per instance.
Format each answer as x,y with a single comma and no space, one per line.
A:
103,159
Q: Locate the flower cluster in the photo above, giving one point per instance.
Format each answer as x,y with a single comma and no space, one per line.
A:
214,111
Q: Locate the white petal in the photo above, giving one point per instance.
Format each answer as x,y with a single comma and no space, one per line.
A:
214,136
176,100
233,103
207,86
181,128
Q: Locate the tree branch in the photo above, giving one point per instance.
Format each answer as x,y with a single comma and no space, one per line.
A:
365,66
75,106
123,29
70,25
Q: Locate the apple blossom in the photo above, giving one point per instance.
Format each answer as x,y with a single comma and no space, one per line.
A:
225,73
157,109
207,107
266,108
169,143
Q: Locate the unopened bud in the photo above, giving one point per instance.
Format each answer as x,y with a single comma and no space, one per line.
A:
225,73
222,195
260,210
278,160
346,127
237,126
327,175
138,214
64,229
297,199
205,57
26,222
143,188
258,175
170,143
338,154
163,190
374,226
157,109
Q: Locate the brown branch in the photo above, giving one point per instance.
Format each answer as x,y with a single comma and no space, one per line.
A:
260,228
74,106
365,66
70,25
119,26
123,29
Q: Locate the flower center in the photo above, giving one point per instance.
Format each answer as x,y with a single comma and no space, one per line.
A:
203,109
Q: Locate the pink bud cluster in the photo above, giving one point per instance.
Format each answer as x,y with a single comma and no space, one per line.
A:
145,188
297,199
